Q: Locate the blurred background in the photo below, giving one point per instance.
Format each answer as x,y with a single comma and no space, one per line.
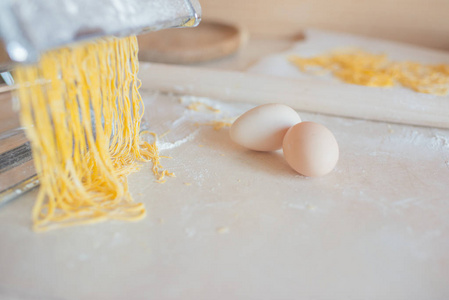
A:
253,29
420,22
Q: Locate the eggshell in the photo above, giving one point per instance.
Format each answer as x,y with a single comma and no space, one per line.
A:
263,127
310,149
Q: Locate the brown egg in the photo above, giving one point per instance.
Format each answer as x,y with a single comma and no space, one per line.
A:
263,127
310,149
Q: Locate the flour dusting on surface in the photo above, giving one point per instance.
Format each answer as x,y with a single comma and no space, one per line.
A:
170,145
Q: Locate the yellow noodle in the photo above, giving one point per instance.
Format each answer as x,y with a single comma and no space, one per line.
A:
376,70
197,106
84,129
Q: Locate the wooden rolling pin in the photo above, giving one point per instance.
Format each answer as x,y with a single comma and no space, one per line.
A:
311,95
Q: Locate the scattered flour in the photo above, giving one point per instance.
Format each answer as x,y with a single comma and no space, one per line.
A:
168,145
440,141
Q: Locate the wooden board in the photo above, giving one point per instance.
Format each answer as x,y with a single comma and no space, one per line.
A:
208,41
275,80
304,95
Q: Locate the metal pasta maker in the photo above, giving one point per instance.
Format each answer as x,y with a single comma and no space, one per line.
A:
31,27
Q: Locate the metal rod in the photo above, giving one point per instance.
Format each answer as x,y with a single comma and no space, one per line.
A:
8,88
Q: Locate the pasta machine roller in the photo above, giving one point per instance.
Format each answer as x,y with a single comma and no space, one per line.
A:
31,27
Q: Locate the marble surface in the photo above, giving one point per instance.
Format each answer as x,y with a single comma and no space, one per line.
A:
237,224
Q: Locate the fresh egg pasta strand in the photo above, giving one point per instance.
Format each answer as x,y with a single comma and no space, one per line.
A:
84,128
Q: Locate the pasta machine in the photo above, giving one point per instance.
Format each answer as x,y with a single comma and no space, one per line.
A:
30,27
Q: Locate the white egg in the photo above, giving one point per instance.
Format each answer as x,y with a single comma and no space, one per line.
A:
263,127
310,149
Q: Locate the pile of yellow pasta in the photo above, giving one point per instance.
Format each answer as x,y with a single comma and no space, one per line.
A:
376,70
82,112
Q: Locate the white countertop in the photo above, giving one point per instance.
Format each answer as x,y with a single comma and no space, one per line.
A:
237,224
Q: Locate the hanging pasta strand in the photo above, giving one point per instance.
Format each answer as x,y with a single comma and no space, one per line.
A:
84,129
